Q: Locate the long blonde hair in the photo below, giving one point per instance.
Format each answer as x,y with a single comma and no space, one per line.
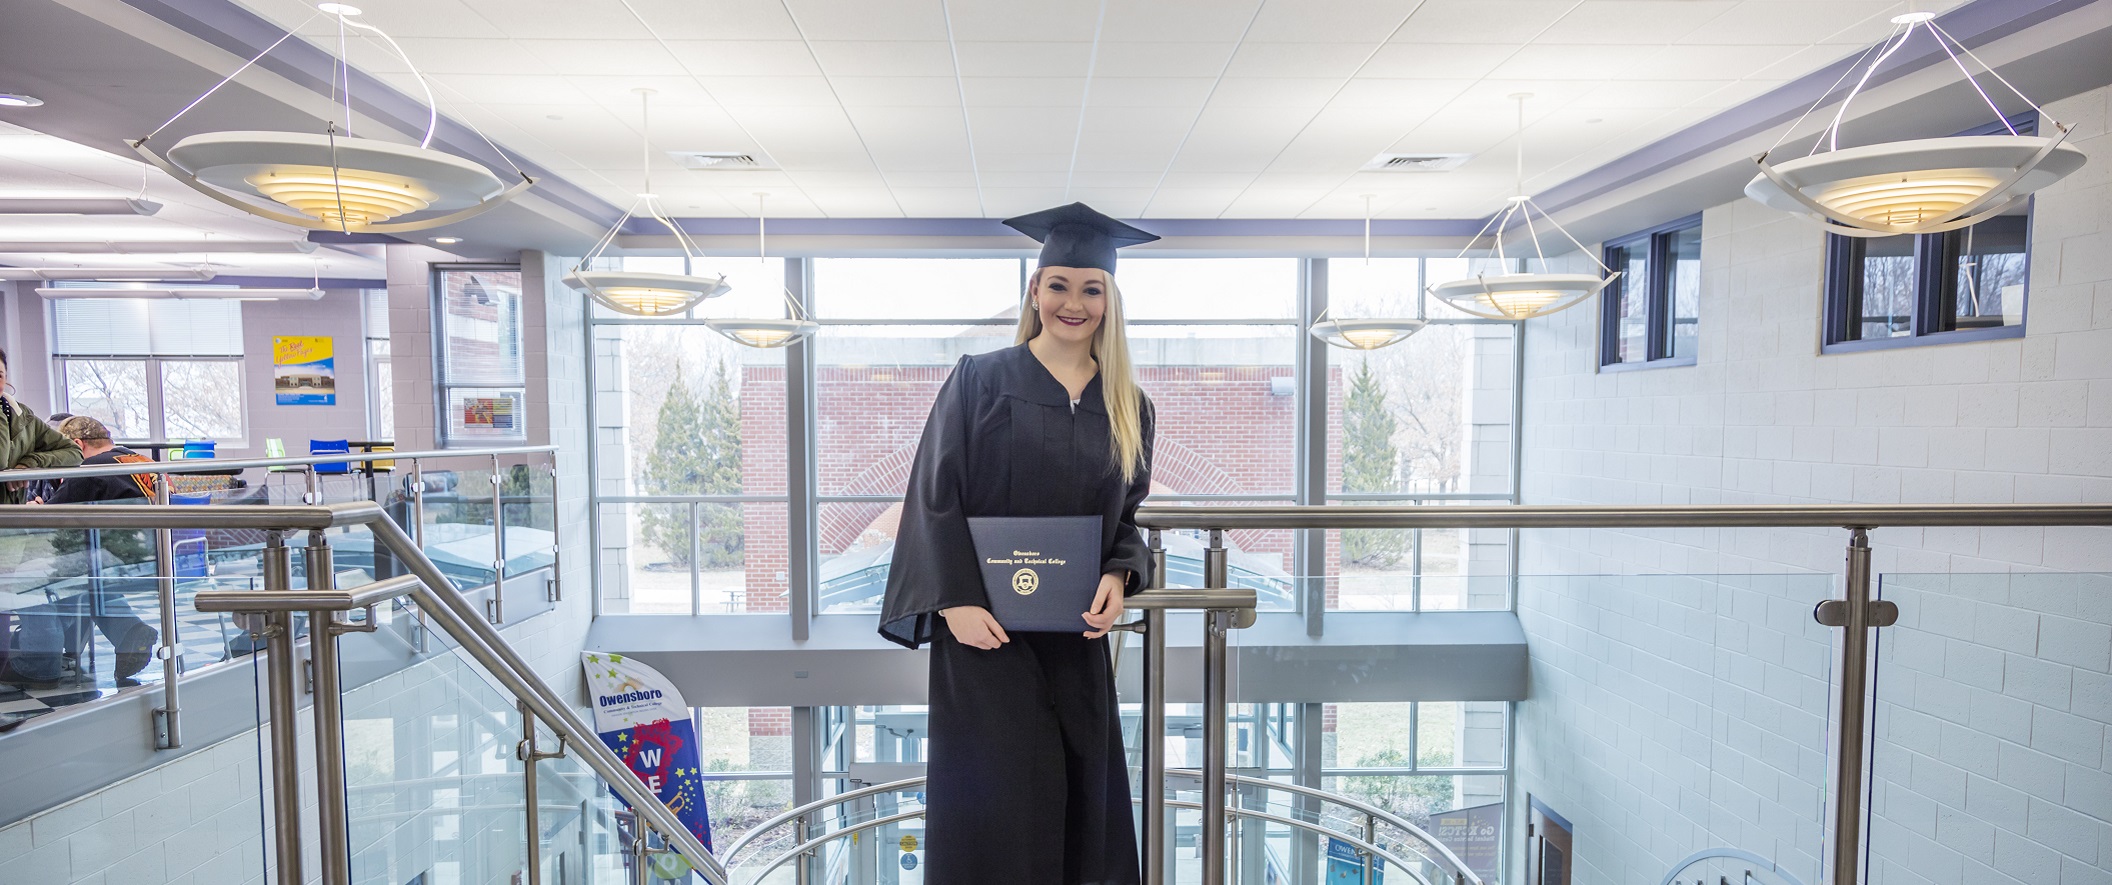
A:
1118,376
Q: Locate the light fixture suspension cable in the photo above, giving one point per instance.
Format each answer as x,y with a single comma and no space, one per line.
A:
344,65
1520,189
1367,230
762,249
645,139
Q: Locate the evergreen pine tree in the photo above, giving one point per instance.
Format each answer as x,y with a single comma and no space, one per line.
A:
1369,459
698,453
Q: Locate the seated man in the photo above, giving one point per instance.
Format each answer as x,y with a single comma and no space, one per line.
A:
47,629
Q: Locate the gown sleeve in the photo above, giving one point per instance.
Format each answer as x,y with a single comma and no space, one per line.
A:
934,565
1130,553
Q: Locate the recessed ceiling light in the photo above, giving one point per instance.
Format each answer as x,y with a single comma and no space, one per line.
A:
556,116
1596,120
18,100
447,241
338,8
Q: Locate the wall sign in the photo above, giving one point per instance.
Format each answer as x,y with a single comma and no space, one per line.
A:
304,370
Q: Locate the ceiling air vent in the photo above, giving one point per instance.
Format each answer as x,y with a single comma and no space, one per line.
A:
721,161
1416,162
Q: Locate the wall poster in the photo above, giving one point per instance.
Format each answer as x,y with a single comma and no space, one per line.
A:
304,370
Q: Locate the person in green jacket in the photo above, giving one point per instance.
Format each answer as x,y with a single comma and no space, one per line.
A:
27,442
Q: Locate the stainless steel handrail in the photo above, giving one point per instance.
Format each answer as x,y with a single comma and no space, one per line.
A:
1449,859
1362,845
212,465
1567,516
433,594
1446,857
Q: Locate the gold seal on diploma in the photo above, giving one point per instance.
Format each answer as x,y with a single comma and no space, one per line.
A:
1025,582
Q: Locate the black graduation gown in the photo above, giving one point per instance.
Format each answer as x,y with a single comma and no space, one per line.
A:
1028,783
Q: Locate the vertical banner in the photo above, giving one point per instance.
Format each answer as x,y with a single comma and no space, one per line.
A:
304,370
1475,834
1346,867
641,716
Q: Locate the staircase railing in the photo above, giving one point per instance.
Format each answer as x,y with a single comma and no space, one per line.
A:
270,614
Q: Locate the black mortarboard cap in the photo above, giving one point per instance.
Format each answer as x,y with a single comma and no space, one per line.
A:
1077,236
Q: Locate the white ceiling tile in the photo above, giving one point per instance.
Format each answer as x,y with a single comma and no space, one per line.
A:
1004,202
1807,21
885,58
451,55
1024,59
868,20
717,19
920,180
1413,97
1161,59
1274,92
753,58
1173,202
857,203
1437,60
1207,180
514,89
1480,21
1657,94
1618,22
1029,161
780,92
1300,59
1536,62
1055,178
588,57
886,92
1197,21
1014,130
424,18
1024,92
1329,22
1269,203
1155,92
1118,179
672,95
940,202
1128,155
1073,20
1689,61
563,19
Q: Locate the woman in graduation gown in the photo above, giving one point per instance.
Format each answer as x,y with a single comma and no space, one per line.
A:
1028,783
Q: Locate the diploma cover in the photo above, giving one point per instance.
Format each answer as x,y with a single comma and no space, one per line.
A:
1039,572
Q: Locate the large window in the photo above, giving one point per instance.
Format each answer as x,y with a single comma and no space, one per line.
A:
1961,285
153,369
483,381
381,377
1651,312
700,445
1425,421
690,454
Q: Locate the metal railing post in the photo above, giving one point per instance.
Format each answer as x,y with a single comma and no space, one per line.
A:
424,629
285,733
1216,624
1151,671
168,722
331,811
496,609
1853,616
531,789
1371,837
803,868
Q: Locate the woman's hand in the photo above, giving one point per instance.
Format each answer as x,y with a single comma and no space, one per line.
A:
1107,606
974,626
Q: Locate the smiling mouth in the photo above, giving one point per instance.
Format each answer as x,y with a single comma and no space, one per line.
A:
1070,321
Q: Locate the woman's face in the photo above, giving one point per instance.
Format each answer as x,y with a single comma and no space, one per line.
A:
1072,302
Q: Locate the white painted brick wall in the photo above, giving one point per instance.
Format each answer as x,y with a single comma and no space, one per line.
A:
1995,691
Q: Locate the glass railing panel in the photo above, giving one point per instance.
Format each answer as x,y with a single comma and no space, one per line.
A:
1989,714
82,623
577,821
433,784
1698,692
1418,569
703,557
531,517
456,529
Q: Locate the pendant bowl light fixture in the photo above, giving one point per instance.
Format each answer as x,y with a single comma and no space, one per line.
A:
635,292
1922,186
1365,334
1522,296
767,332
332,180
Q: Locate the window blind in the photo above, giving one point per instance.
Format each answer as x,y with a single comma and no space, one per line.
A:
377,312
480,326
146,327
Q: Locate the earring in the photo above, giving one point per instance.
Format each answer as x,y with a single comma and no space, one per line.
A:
1037,304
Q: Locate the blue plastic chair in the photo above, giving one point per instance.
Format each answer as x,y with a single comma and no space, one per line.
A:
197,448
331,447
